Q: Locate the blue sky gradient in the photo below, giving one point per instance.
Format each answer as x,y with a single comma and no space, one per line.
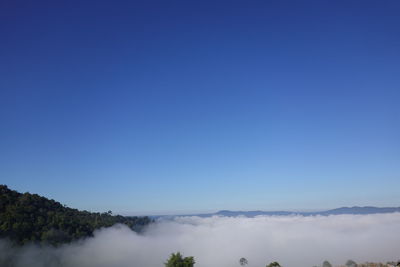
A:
189,106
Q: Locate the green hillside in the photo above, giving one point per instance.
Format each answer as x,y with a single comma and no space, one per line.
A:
29,217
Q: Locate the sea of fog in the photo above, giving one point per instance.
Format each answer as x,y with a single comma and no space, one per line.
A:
293,241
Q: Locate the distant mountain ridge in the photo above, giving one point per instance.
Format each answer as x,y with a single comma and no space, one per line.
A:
339,211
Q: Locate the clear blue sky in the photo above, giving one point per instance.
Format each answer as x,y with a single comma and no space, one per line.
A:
186,106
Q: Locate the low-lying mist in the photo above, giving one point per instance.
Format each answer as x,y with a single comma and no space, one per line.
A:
293,241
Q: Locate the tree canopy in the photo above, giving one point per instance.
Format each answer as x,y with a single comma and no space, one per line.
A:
351,263
326,264
26,218
274,264
177,260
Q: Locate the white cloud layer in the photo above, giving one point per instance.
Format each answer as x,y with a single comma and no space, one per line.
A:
293,241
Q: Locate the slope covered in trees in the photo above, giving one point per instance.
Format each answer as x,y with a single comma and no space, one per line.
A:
29,217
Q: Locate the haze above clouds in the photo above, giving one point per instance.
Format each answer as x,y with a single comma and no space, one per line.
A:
220,241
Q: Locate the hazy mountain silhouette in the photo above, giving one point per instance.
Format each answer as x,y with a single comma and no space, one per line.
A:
339,211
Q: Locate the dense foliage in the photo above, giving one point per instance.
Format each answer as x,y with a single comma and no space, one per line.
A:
177,260
351,263
274,264
29,217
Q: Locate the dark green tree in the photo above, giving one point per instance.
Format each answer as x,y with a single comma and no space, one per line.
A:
326,264
351,263
30,218
177,260
274,264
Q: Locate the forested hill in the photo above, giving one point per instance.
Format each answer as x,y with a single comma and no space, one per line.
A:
29,217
